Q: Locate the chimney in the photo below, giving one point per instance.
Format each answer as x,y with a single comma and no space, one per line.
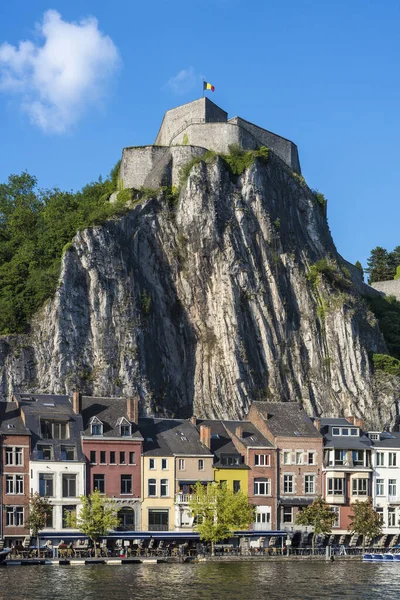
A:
359,422
77,402
317,423
132,409
193,420
350,419
239,431
205,435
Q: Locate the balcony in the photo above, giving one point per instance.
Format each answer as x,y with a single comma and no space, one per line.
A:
393,499
183,498
159,527
262,527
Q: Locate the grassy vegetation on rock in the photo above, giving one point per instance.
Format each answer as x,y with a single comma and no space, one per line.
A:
387,311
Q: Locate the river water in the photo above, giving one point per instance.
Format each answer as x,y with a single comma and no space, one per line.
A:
204,581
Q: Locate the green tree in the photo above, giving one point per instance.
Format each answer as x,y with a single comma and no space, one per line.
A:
38,510
360,267
379,265
397,276
218,511
318,515
96,518
394,259
365,521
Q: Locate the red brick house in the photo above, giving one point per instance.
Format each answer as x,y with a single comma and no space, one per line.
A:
112,445
14,481
299,455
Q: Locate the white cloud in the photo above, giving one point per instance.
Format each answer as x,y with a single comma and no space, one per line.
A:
60,79
184,81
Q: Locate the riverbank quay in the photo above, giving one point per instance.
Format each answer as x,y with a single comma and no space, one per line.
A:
169,560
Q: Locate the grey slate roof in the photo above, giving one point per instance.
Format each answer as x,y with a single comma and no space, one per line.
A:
10,415
171,437
251,436
287,419
389,439
108,411
343,442
53,407
221,443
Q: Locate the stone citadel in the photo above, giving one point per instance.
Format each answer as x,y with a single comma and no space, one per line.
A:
190,130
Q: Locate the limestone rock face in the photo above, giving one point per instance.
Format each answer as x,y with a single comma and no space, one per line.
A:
207,307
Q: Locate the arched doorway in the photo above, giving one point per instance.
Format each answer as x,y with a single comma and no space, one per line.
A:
126,518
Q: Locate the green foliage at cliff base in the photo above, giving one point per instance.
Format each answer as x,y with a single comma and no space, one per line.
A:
386,363
36,229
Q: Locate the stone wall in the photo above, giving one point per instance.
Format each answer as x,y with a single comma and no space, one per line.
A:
389,288
285,149
201,110
155,166
216,136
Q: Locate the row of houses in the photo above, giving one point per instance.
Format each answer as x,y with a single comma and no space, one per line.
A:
65,447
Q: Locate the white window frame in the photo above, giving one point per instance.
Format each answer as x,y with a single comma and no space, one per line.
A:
164,483
357,489
392,459
151,481
262,460
164,464
299,457
287,508
13,485
313,454
337,492
200,464
262,487
181,464
336,510
289,478
14,456
380,459
152,464
287,454
309,478
16,512
380,487
97,423
391,517
392,486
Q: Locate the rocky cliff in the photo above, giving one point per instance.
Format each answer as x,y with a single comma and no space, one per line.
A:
205,306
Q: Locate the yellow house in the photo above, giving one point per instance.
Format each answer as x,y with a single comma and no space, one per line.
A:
229,466
158,477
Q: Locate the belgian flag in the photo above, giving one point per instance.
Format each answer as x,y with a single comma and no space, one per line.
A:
208,86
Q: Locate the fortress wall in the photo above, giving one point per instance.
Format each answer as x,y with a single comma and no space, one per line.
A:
284,148
201,110
217,136
137,162
389,288
181,155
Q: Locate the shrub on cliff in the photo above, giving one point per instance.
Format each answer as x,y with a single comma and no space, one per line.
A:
387,311
386,363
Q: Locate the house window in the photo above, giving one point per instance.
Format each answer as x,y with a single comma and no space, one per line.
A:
14,516
391,517
236,486
99,483
336,510
335,486
181,464
287,514
380,459
392,459
126,518
14,484
152,463
309,484
287,457
262,487
113,460
46,484
69,486
201,464
96,426
126,484
132,458
231,460
360,487
122,458
288,484
152,487
164,487
158,520
354,431
299,457
358,458
335,431
93,457
67,452
45,452
54,430
311,458
261,460
392,487
164,464
103,459
66,511
14,456
345,431
125,430
380,487
340,457
263,517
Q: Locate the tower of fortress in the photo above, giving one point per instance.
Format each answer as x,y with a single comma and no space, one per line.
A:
188,131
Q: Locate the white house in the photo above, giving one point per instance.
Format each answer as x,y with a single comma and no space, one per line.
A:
386,483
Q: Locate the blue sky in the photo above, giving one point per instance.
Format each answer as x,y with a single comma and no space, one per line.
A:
324,74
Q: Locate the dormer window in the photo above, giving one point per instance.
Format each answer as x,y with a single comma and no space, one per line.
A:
96,426
125,428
